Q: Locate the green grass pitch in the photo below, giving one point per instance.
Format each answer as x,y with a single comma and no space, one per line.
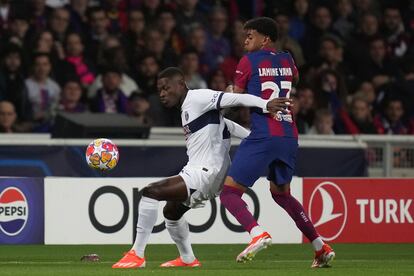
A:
352,259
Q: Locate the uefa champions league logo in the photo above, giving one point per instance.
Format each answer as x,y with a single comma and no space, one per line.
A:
14,211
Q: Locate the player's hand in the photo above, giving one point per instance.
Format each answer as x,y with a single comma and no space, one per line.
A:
229,88
279,104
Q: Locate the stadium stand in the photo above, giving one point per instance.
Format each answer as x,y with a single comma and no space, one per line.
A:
355,59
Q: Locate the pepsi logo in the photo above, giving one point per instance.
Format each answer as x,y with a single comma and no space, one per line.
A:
14,211
328,210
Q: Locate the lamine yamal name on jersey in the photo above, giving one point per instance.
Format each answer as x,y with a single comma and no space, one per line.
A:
281,71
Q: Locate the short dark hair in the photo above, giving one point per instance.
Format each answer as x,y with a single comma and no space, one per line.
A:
12,48
391,99
136,96
282,13
93,10
264,25
376,38
37,55
392,6
332,38
110,69
166,10
171,72
189,51
82,39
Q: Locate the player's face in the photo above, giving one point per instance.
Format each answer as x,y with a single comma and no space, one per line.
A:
254,41
170,91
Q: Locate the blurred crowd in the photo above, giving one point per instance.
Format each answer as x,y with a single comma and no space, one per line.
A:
355,57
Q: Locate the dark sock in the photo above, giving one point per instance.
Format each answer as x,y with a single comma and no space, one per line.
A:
231,199
297,213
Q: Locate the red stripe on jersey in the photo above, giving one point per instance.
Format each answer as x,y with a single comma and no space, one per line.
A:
275,127
289,63
243,73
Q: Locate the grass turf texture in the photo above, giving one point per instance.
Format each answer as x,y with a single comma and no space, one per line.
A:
352,259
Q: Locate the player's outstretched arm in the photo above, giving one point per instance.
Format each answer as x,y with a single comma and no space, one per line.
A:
232,99
236,130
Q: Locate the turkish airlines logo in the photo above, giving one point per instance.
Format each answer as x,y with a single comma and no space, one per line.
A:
328,210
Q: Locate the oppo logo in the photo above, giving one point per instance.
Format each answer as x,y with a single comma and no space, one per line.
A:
136,197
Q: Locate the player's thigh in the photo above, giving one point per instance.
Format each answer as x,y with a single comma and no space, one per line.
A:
280,173
282,168
249,163
172,188
200,185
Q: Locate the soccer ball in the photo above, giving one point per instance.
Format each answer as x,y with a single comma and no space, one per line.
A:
102,154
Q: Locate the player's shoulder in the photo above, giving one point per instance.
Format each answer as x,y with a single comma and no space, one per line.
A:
198,92
246,59
250,55
284,54
261,53
196,95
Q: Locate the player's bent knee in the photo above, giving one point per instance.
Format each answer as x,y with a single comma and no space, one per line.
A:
152,191
174,210
274,188
171,213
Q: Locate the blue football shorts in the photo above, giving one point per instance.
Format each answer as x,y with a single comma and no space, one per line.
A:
272,156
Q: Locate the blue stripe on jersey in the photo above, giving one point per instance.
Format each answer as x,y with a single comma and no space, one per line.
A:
226,132
219,101
254,84
210,117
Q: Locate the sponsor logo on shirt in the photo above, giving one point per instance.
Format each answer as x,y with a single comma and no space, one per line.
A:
279,116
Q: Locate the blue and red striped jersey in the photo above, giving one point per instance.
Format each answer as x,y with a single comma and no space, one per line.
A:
268,74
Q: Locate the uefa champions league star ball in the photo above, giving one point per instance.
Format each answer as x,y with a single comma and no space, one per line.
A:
102,154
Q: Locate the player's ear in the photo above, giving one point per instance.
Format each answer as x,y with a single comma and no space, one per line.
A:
182,82
266,40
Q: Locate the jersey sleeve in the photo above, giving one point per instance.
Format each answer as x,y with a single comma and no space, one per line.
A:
243,73
206,99
295,71
236,99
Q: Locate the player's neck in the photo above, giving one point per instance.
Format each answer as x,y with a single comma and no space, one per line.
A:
183,97
269,47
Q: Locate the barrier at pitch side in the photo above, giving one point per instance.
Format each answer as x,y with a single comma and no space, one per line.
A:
361,209
104,211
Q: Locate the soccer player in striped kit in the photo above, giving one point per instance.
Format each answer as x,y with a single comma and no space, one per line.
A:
272,145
